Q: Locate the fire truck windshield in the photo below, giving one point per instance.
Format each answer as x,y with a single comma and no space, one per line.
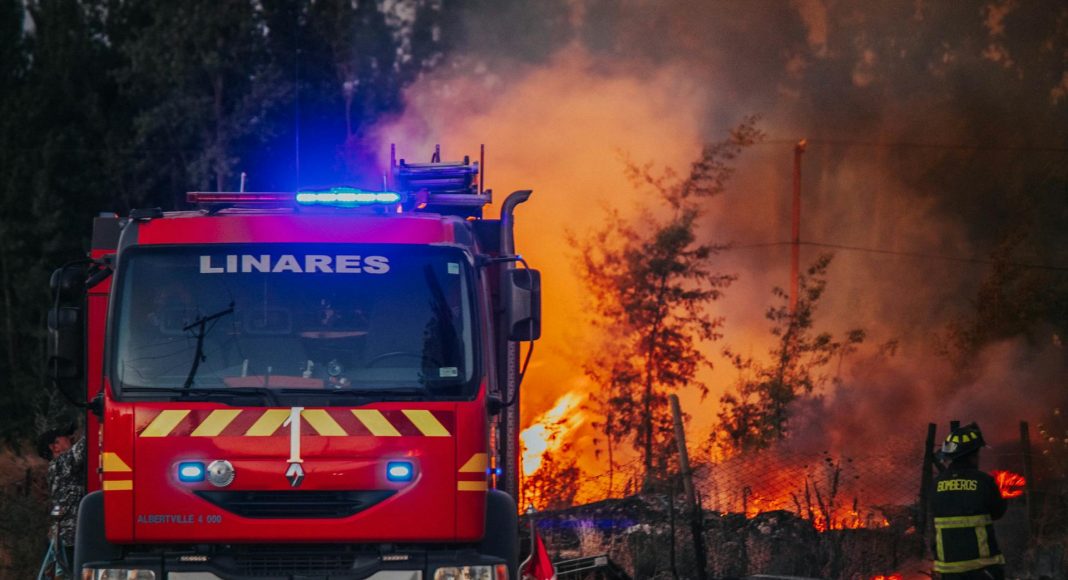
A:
311,318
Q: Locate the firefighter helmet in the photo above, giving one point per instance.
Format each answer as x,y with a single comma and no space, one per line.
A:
962,441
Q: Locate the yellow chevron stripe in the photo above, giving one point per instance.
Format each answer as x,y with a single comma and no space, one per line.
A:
426,423
471,486
164,423
118,485
376,423
268,423
114,464
216,422
322,422
477,464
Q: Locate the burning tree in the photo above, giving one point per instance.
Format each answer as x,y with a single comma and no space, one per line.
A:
651,281
757,414
555,483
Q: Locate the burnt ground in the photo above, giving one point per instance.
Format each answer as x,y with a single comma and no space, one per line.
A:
641,537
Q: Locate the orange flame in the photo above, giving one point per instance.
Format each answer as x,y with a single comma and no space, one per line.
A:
550,430
828,497
887,577
1009,484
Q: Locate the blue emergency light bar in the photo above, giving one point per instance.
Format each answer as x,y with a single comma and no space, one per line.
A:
335,196
347,196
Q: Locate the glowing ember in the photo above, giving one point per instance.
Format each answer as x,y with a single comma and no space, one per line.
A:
887,577
550,430
1009,484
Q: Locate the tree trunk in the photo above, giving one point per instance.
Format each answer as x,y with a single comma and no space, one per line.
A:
220,157
9,321
647,395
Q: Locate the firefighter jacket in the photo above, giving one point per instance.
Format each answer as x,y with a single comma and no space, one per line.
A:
965,502
66,484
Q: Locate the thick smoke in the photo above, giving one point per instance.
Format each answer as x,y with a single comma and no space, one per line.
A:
936,130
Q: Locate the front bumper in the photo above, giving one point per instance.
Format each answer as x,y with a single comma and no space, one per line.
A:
307,564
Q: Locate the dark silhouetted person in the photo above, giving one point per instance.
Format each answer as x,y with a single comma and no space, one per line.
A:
965,502
66,486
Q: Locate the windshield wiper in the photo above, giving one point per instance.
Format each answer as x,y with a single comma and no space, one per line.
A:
201,325
211,392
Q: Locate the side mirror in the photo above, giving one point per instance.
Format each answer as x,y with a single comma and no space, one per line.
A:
69,282
521,289
65,344
66,332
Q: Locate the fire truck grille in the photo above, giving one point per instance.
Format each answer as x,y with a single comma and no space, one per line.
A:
295,504
286,565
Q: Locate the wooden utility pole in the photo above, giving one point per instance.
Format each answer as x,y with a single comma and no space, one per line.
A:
696,512
1029,476
926,479
795,248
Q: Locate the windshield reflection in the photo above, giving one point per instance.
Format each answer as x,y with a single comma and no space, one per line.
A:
312,318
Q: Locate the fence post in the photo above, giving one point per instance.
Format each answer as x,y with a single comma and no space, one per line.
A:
1029,474
697,514
925,481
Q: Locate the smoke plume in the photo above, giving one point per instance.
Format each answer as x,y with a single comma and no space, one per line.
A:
935,131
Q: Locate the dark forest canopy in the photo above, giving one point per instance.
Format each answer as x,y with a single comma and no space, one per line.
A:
110,105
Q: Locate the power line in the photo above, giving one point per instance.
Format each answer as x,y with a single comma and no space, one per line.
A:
922,255
920,145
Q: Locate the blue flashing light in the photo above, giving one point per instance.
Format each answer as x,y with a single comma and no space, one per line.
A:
191,471
347,196
399,471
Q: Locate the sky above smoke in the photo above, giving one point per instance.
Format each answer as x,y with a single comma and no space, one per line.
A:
935,132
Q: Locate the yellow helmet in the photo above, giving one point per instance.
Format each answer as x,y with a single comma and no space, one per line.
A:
962,441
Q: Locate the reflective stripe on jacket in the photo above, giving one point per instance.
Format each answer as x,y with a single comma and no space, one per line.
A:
962,533
965,502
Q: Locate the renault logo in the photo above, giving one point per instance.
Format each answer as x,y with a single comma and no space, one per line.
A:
295,474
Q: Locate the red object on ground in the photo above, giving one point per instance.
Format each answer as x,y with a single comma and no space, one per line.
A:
538,566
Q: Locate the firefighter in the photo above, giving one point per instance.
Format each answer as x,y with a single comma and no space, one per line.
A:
965,502
66,486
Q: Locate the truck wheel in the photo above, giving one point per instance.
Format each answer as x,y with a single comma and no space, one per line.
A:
89,542
502,530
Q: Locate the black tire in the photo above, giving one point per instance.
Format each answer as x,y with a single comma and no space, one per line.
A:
502,530
90,545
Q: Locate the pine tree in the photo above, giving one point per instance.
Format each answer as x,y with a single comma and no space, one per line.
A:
757,414
651,282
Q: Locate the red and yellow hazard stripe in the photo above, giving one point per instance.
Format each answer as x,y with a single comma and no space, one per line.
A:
476,466
322,422
117,473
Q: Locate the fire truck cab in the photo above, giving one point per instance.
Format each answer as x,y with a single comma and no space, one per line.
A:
319,384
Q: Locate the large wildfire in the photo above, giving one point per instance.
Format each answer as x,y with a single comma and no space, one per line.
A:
891,183
550,431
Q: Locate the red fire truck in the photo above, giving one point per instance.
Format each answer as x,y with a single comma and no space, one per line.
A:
316,384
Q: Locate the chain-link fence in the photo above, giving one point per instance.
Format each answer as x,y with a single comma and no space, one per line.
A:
818,514
821,514
829,491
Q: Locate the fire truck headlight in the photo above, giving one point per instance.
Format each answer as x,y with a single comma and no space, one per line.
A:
118,574
221,473
498,572
399,471
190,471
